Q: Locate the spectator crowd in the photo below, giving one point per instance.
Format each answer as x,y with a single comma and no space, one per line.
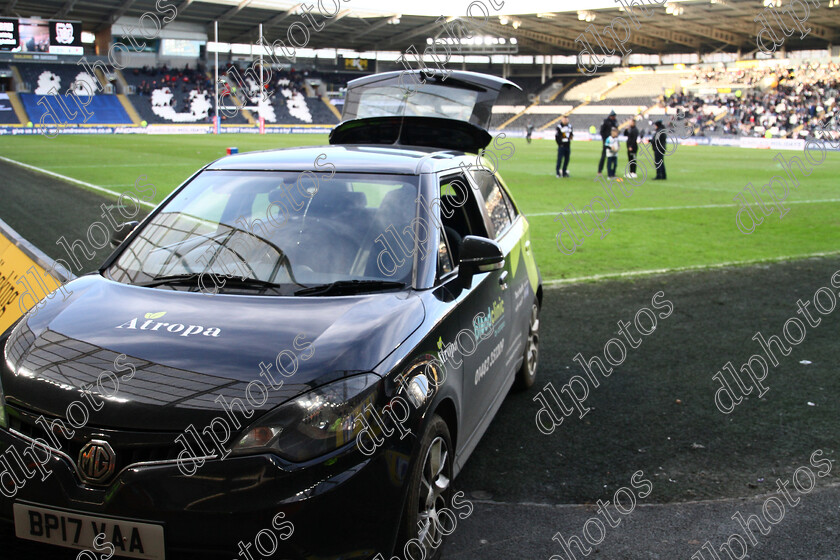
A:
785,102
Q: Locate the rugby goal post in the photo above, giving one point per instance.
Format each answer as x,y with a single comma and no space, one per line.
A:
237,108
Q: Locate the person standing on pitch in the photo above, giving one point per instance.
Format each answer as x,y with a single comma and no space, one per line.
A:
529,130
613,144
660,142
563,137
632,148
606,129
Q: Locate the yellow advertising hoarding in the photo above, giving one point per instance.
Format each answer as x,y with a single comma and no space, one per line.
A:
24,280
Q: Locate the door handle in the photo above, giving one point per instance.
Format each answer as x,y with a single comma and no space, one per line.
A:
528,245
503,279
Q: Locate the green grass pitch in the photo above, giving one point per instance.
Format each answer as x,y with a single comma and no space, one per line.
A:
662,225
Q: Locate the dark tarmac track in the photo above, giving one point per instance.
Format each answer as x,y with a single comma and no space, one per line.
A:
654,413
521,479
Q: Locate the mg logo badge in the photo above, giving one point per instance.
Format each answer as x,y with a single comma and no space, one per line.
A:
97,461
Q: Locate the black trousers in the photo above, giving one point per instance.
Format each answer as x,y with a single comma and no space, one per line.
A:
659,161
631,157
603,155
612,165
564,152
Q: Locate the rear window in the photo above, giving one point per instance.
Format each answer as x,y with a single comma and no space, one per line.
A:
428,101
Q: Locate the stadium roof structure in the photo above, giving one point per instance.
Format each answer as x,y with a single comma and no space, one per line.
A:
679,26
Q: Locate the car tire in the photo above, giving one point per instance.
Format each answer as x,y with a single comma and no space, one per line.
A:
430,490
527,374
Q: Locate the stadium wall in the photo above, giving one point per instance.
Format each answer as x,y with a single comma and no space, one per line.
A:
740,142
164,129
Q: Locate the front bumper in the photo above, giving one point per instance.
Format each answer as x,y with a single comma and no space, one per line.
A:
346,507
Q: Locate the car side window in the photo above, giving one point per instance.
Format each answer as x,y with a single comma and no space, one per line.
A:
445,264
511,207
495,202
459,211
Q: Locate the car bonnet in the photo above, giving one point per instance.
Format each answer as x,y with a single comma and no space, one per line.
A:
209,346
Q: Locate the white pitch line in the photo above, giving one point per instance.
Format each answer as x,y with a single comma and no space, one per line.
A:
71,180
636,273
696,207
139,164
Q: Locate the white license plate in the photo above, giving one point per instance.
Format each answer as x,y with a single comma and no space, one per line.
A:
76,530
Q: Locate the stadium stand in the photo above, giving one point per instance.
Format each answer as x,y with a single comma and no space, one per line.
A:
168,108
529,85
336,80
7,112
41,78
185,95
4,69
291,107
103,109
641,88
288,103
788,101
321,114
539,116
166,95
539,99
628,94
146,79
579,95
41,83
592,89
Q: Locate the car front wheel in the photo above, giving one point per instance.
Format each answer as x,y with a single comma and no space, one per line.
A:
430,491
527,374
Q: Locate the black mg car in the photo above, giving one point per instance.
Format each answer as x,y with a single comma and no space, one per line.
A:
292,356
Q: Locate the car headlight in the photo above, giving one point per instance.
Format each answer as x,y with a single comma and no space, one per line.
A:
5,365
316,422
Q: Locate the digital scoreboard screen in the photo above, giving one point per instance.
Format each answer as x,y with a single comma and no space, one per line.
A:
41,36
34,36
9,34
180,47
66,37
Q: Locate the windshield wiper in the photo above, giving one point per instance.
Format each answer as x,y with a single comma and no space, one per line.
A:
193,279
349,286
172,279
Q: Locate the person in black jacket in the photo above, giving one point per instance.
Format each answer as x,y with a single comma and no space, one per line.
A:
660,142
632,148
563,137
529,130
606,128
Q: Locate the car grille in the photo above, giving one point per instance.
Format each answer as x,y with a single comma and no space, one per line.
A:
130,447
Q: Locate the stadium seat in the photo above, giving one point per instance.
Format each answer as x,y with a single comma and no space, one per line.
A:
104,109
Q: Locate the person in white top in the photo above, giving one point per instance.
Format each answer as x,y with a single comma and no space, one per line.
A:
613,145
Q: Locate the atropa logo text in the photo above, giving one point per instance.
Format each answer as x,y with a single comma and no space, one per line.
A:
446,351
175,328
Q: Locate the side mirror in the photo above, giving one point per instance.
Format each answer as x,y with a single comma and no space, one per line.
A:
479,254
119,234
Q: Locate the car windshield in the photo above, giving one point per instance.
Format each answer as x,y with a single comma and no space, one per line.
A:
279,233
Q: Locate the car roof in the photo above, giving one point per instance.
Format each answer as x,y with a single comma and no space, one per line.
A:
402,160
